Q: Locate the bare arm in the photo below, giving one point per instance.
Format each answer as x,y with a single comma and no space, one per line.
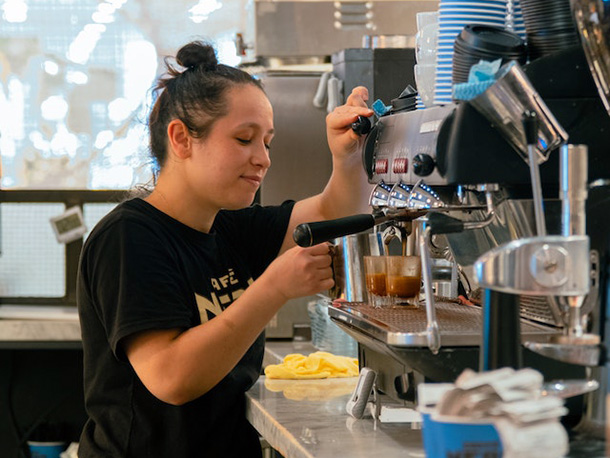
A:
347,191
178,366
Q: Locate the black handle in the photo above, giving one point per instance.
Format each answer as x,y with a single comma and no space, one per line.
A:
530,125
362,125
444,224
310,234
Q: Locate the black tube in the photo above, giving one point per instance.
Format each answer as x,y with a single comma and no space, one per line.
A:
501,343
530,125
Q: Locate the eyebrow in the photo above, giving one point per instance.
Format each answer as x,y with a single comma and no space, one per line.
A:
253,124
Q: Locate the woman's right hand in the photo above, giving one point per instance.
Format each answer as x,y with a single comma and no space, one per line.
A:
301,271
342,140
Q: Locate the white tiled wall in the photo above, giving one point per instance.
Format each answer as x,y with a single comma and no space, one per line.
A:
32,262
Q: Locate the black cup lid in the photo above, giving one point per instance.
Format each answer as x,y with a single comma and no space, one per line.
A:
460,48
492,39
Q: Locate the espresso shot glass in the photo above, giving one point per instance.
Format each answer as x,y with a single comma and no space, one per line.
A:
403,280
375,277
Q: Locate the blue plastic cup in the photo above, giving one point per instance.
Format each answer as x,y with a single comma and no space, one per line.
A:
449,436
46,449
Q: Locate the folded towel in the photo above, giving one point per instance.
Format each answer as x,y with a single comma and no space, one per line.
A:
481,76
317,365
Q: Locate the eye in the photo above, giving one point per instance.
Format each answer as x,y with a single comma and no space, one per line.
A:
244,141
268,143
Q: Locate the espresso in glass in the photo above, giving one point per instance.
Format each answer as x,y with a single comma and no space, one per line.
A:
402,286
403,279
375,277
376,284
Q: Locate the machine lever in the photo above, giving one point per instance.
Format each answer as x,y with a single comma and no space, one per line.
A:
362,125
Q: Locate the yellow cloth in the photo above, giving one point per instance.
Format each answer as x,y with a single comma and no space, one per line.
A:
317,365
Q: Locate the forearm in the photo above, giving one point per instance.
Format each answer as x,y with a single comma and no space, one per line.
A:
346,193
348,190
195,360
178,367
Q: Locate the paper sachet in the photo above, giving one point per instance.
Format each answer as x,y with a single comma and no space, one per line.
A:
513,401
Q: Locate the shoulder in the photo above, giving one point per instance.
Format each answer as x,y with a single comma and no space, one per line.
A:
129,210
129,217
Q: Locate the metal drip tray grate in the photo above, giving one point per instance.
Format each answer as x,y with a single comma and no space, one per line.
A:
537,308
459,325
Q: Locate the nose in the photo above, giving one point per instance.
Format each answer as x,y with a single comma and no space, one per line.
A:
261,157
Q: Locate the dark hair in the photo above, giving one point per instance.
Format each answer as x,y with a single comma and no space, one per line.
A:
195,94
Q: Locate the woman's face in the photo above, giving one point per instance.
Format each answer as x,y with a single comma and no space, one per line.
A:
230,163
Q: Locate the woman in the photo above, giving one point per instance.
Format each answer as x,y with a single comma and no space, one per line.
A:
167,361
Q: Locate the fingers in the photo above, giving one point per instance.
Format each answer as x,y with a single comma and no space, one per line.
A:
358,97
354,106
323,262
343,117
321,257
313,269
321,249
327,284
352,110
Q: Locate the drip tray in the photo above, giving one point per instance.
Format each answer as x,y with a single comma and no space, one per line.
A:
459,325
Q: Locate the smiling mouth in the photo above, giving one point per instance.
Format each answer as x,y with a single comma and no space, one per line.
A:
254,180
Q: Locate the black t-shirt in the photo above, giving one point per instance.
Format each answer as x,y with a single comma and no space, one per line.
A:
141,269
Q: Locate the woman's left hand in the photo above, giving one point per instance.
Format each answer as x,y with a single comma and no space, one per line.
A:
343,141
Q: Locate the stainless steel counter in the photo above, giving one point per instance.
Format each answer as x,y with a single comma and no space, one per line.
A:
307,418
46,334
39,324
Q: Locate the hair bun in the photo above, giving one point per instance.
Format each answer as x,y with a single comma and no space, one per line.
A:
197,54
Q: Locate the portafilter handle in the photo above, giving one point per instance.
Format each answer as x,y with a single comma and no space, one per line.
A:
310,234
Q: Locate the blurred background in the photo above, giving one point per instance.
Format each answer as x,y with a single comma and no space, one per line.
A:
75,79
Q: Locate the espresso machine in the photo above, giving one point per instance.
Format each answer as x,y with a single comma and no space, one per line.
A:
522,219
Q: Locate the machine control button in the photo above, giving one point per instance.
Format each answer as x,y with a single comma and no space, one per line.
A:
400,165
423,165
381,166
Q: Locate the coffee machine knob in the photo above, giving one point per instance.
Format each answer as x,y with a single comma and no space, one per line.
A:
423,165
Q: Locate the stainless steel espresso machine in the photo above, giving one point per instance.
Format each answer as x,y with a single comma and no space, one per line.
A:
523,222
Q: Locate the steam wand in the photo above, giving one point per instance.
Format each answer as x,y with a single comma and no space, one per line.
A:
530,124
433,334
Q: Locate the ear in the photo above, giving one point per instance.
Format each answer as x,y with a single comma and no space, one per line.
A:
179,139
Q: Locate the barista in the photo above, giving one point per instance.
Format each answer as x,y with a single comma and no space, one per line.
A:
175,290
